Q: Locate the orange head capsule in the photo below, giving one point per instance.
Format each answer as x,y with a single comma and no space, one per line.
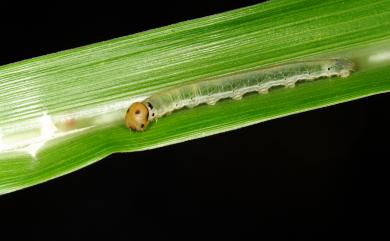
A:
137,117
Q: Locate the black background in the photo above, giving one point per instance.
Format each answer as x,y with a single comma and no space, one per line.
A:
319,174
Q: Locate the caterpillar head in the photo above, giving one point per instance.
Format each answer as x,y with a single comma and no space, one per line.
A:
137,117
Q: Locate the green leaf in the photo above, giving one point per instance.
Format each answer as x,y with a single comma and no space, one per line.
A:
63,111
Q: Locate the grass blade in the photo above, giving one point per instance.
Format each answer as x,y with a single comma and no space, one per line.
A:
63,111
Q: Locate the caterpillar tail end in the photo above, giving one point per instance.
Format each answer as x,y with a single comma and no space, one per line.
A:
137,117
346,67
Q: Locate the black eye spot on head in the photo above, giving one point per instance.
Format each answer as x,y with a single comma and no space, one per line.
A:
150,105
153,114
137,112
142,125
328,68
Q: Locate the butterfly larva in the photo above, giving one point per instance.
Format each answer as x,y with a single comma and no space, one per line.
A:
209,91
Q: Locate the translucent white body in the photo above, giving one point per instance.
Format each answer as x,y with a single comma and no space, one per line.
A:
235,86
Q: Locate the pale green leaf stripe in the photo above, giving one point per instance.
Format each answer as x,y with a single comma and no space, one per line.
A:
274,32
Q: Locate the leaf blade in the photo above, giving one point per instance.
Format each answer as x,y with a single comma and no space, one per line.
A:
118,70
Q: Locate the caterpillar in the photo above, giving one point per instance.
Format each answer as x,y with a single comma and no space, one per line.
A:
234,86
